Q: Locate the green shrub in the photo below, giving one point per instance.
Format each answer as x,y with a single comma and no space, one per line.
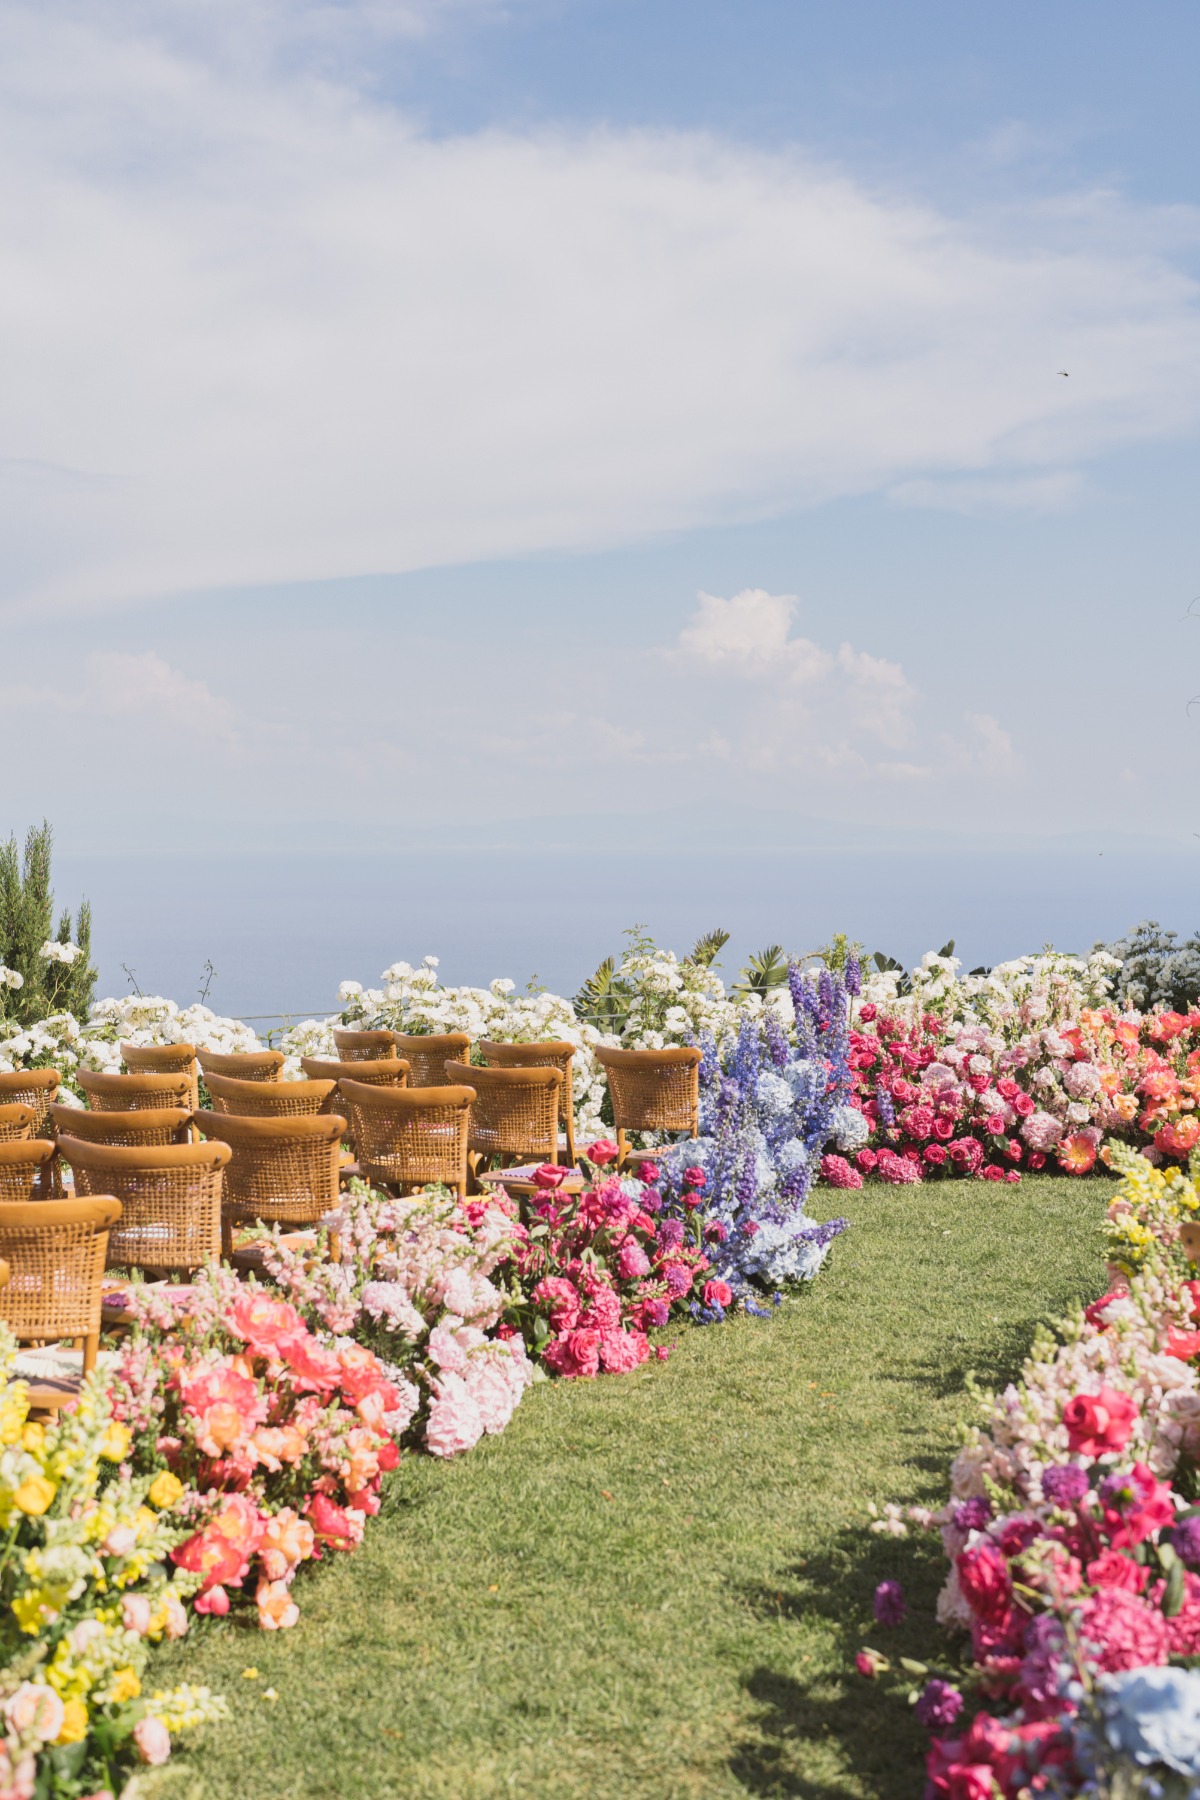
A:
49,984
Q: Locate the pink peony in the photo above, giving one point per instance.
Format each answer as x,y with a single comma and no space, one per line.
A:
632,1261
224,1407
153,1741
261,1321
314,1369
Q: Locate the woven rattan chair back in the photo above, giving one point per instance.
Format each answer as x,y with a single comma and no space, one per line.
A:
164,1059
515,1114
391,1071
283,1170
16,1121
22,1162
135,1093
170,1197
653,1090
55,1251
268,1099
243,1065
428,1056
30,1087
364,1046
163,1125
409,1136
540,1056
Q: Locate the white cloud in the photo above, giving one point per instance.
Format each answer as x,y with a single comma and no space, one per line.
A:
259,328
750,634
978,497
140,693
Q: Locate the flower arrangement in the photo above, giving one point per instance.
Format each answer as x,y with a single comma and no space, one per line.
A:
413,1282
1074,1554
273,1438
86,1590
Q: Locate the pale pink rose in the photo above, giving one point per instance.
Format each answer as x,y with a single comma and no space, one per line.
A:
17,1778
177,1619
35,1708
136,1614
153,1741
121,1541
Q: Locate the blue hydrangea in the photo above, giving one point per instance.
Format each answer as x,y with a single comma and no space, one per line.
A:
850,1129
773,1094
1153,1716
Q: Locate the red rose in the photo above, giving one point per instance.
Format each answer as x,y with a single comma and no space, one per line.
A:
717,1293
943,1129
648,1173
935,1154
1007,1089
1036,1160
1098,1422
993,1172
970,1781
867,1013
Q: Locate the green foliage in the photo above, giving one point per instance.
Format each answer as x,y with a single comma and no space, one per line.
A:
888,965
706,949
27,923
837,954
603,1000
767,970
652,1586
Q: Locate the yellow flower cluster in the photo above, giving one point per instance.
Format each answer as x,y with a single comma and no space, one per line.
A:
83,1560
185,1707
1147,1210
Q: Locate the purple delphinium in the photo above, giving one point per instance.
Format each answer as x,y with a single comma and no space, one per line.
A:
939,1705
889,1603
887,1112
973,1514
1065,1484
853,976
1186,1540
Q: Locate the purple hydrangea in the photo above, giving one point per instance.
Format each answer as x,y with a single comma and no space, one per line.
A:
939,1705
670,1234
973,1514
889,1603
1186,1540
1065,1484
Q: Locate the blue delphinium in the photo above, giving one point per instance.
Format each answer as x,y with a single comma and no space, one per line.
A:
769,1109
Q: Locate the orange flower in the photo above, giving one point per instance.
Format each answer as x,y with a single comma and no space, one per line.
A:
276,1608
1077,1154
287,1540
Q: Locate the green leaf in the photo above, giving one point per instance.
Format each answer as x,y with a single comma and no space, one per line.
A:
1173,1598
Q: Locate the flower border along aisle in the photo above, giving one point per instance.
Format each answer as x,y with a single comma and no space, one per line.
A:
1073,1539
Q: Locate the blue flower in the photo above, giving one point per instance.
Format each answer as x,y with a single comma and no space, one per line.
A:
1153,1716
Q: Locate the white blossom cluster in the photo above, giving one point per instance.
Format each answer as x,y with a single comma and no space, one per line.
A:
53,951
1043,990
11,978
62,1042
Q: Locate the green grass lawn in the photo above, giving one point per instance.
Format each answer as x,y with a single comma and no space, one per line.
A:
653,1585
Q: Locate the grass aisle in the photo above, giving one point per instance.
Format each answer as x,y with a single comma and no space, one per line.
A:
652,1586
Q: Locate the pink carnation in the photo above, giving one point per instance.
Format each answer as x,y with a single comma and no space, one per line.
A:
562,1299
898,1170
632,1261
1123,1631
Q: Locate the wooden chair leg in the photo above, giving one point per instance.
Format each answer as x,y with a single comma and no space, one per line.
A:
622,1149
91,1347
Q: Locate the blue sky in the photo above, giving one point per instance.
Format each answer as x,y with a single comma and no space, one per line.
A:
422,417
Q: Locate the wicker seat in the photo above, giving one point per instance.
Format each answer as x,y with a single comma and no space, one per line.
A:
428,1056
30,1087
162,1125
244,1065
164,1059
413,1135
170,1195
268,1099
515,1114
16,1121
55,1250
282,1170
653,1090
391,1071
135,1093
540,1056
22,1162
365,1046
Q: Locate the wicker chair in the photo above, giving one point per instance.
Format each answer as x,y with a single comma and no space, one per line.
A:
283,1170
540,1056
365,1046
170,1195
515,1115
55,1250
391,1071
22,1162
30,1087
144,1129
245,1065
268,1099
410,1136
135,1093
164,1059
16,1121
653,1090
428,1056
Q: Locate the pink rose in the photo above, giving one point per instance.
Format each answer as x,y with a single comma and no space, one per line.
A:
1111,1569
992,1172
717,1293
621,1351
969,1781
1099,1422
943,1129
574,1354
562,1299
935,1154
695,1178
994,1123
153,1741
602,1152
984,1580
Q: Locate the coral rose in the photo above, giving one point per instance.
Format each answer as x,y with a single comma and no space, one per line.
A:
277,1611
